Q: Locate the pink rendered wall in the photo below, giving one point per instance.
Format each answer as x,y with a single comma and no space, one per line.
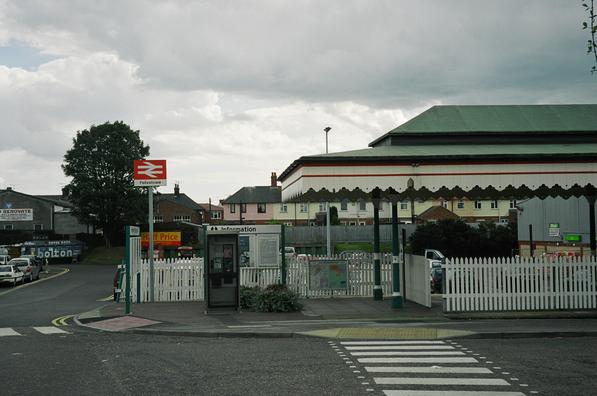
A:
251,214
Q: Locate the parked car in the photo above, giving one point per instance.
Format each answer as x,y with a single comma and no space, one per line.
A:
33,258
434,257
29,268
11,274
436,279
4,259
289,252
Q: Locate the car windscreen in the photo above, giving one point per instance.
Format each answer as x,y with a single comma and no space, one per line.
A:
20,263
5,269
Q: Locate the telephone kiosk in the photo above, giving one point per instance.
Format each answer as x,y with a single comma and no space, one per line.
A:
222,270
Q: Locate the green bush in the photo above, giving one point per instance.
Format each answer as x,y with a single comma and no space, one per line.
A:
274,298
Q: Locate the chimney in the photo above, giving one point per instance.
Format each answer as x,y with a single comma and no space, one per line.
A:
274,180
176,190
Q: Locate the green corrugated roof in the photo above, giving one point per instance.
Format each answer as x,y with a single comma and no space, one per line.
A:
504,118
464,150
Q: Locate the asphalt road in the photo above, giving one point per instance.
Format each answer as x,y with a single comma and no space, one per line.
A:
38,303
550,366
125,364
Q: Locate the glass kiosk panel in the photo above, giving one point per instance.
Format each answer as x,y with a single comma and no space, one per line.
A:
222,271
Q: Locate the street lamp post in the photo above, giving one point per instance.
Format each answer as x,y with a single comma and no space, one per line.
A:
327,206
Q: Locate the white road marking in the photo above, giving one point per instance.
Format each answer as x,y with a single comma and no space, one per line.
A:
429,369
408,353
399,347
7,331
419,360
50,330
441,381
391,342
448,393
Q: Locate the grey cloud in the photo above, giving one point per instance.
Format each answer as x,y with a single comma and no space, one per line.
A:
389,53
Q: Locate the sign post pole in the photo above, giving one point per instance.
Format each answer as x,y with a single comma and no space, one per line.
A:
150,248
150,173
127,288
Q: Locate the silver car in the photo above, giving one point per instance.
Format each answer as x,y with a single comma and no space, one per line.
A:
28,266
11,274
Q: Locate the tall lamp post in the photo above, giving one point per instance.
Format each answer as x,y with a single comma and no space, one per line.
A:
327,206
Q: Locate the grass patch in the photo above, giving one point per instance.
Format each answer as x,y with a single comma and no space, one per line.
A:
104,255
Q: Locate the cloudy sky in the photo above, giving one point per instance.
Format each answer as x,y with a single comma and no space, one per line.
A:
230,91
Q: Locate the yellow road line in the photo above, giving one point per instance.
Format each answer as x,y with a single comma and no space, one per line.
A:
108,298
61,320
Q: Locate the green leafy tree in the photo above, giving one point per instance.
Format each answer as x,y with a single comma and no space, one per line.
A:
100,164
590,25
454,238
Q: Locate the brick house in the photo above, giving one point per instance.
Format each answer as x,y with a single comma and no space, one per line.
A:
253,205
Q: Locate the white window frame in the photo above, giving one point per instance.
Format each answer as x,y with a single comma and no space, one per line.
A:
478,205
8,227
283,208
344,205
362,206
494,204
158,219
404,205
216,215
445,204
512,204
261,205
304,207
232,208
460,204
322,206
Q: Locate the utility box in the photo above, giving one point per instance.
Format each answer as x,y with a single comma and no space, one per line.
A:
222,283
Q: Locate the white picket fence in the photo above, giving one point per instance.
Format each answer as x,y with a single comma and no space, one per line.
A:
175,280
182,279
520,284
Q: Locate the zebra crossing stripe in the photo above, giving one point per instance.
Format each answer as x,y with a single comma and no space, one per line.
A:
418,360
440,381
429,369
408,353
7,331
392,343
50,330
398,347
449,393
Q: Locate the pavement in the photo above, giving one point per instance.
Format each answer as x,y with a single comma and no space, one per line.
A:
338,318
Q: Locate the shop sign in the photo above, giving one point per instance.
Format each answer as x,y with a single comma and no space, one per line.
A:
16,214
171,238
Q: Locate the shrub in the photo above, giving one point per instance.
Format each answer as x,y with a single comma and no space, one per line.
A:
274,298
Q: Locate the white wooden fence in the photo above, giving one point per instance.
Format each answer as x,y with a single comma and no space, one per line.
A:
520,284
175,280
182,279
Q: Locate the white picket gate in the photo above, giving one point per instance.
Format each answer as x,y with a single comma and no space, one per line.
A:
520,284
175,280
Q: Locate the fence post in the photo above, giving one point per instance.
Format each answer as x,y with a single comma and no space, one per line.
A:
396,296
283,243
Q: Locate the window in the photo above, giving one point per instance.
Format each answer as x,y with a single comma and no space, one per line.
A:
477,204
362,205
38,227
158,219
8,227
312,223
344,205
494,204
362,223
232,208
288,223
460,204
243,208
304,207
322,206
352,223
182,218
216,215
445,204
261,207
512,204
404,205
283,208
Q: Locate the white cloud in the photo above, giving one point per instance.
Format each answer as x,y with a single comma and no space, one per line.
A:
231,91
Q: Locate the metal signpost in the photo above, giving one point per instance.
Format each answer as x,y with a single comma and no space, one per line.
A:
150,173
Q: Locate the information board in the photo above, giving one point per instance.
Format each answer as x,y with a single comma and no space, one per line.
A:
328,274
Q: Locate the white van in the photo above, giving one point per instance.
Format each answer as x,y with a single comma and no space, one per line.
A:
434,257
4,259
